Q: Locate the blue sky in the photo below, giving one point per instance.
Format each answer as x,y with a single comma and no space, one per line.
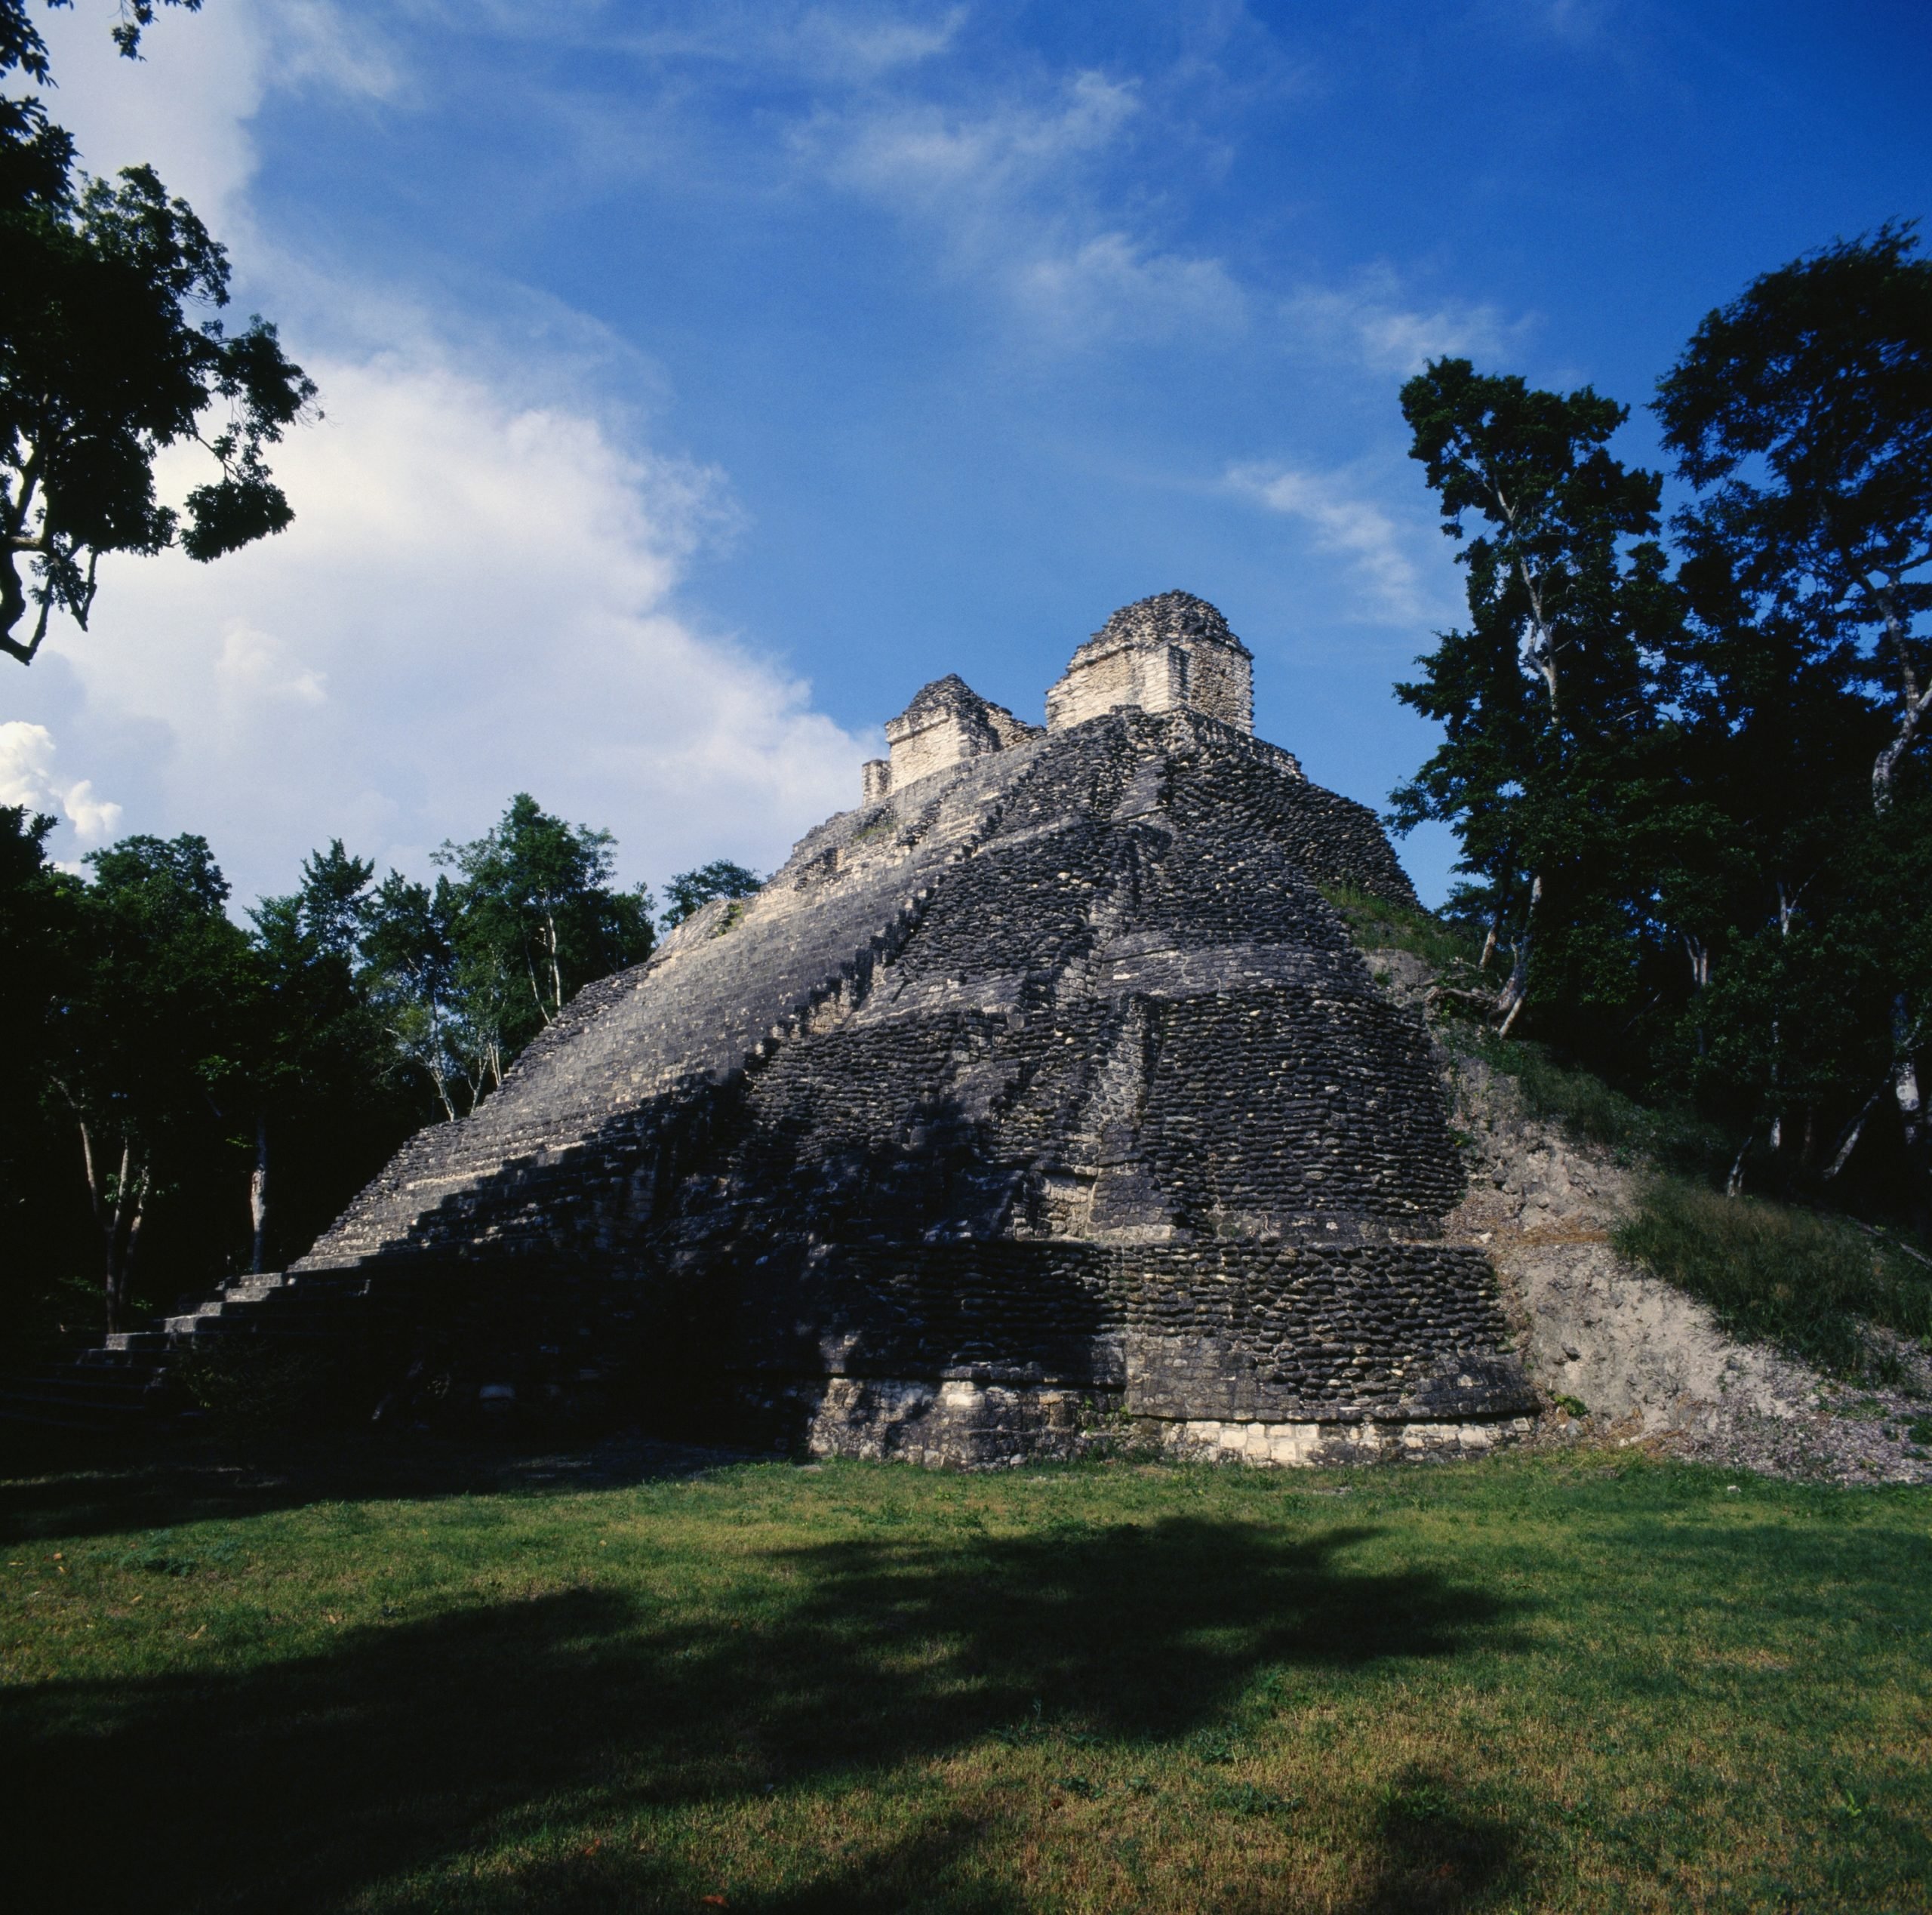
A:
698,381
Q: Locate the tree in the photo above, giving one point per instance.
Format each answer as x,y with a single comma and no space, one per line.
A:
411,976
1802,413
1543,698
152,1033
108,357
536,919
690,892
316,1088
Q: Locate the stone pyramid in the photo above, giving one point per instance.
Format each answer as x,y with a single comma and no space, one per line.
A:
1041,1097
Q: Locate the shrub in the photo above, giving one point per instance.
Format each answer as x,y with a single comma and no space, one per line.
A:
249,1388
1809,1283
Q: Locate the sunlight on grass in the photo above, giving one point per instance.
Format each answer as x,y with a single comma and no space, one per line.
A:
1537,1683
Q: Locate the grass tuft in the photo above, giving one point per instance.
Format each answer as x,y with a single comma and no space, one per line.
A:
1590,1109
1376,925
1808,1282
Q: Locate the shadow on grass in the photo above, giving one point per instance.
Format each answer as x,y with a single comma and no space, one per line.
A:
530,1730
66,1486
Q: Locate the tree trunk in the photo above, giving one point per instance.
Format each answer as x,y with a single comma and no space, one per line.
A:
1733,1184
122,1235
258,1197
132,1242
1913,703
1516,991
1857,1130
1911,1111
113,1275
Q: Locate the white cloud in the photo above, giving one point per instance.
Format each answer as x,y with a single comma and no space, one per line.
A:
314,43
1344,523
27,776
859,45
477,595
474,599
1111,279
1003,188
183,107
255,665
924,153
1373,321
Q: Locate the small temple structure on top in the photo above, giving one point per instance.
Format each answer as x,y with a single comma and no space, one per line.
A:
1172,652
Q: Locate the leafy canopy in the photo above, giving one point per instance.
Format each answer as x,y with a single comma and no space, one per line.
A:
690,892
109,354
1542,696
1802,412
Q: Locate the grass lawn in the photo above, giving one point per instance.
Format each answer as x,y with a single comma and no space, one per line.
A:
1576,1683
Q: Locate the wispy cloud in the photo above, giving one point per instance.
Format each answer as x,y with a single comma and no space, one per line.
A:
316,43
1373,545
1575,22
1375,322
923,151
851,45
1112,281
1012,192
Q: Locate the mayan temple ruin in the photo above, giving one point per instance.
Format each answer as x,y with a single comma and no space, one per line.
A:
1041,1097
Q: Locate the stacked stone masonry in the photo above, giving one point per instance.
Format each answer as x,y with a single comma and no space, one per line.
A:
1169,653
1042,1096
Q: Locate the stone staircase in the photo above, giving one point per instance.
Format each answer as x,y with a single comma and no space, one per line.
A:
124,1383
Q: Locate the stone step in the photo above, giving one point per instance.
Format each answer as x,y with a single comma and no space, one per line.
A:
141,1362
61,1399
75,1379
272,1320
252,1289
208,1332
117,1383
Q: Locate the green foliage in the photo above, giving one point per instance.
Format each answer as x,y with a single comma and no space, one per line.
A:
628,1680
150,1033
322,1102
1808,1282
1695,808
1376,925
107,359
1547,730
532,918
1803,413
690,892
182,1096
